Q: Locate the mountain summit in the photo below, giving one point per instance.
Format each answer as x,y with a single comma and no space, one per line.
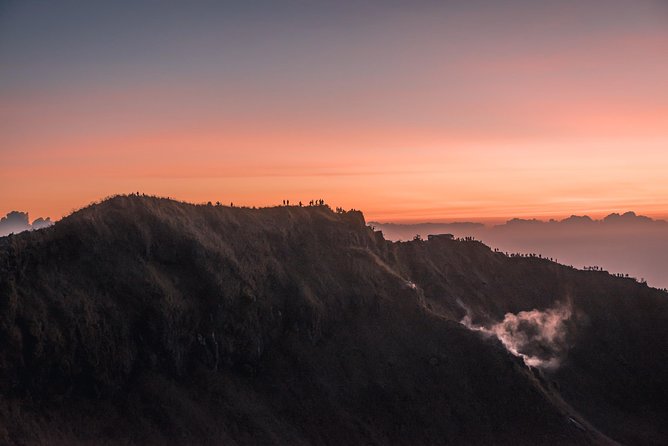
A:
142,320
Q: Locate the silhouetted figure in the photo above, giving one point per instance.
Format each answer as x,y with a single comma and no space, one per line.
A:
300,204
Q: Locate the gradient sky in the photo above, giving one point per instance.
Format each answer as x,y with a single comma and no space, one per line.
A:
407,110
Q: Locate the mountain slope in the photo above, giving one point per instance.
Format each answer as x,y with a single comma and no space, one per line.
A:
148,321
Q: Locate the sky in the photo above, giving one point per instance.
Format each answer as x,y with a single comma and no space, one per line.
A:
409,111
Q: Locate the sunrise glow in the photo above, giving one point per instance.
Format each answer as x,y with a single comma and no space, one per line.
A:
425,113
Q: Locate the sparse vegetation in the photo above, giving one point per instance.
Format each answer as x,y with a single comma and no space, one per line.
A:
142,320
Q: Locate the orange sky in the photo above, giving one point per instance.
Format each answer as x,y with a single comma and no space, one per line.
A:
432,113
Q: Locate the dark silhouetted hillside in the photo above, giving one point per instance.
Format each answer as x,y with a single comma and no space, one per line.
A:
148,321
625,244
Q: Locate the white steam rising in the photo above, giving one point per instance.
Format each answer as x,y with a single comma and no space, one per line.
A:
538,337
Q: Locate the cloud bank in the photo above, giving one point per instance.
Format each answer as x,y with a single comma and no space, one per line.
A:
16,221
619,243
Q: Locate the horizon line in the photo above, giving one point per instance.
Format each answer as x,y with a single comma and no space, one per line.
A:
596,215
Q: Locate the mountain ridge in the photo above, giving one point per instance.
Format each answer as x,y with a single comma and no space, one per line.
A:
145,320
626,244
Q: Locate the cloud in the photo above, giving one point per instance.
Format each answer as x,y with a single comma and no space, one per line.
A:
538,337
16,221
620,243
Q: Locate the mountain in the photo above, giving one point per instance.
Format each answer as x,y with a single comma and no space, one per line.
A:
142,320
625,244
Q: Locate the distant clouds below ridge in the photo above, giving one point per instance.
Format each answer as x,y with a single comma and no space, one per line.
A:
16,221
619,243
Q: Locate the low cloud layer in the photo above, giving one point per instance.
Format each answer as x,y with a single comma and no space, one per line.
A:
15,222
619,243
538,337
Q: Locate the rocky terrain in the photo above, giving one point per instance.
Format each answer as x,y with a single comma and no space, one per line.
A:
142,320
